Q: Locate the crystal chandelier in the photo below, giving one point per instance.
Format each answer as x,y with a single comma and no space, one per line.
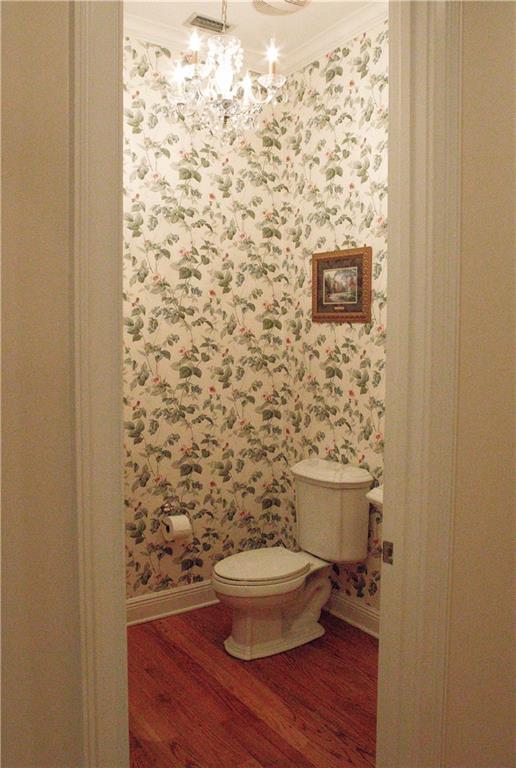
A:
206,88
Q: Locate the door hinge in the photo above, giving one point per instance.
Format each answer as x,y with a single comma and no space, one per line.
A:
388,552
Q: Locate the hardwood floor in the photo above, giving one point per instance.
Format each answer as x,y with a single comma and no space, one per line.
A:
191,705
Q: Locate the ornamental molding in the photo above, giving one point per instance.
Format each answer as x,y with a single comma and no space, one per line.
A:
175,37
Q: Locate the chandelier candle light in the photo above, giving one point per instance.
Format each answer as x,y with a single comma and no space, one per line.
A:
208,92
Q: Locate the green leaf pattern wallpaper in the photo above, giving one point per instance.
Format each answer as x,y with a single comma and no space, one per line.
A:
227,382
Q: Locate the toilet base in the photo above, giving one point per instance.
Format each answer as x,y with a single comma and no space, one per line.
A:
264,626
260,650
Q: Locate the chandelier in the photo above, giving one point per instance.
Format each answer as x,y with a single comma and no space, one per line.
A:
207,90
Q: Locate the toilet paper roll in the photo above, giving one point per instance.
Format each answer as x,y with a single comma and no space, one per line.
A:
176,527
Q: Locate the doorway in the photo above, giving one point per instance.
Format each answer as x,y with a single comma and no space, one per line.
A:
227,380
103,639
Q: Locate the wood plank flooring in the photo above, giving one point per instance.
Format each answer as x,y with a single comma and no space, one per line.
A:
191,705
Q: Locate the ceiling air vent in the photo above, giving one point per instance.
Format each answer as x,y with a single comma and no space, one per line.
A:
206,23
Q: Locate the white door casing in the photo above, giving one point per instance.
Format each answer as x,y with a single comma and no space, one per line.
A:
98,37
422,374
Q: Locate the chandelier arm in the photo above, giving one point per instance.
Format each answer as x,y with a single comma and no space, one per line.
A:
262,102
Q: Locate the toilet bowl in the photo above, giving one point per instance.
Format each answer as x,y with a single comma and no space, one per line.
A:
276,594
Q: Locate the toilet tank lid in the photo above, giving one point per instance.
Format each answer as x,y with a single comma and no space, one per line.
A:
332,474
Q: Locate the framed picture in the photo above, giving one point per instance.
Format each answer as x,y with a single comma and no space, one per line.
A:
341,286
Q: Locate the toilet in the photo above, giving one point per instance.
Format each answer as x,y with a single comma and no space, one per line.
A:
276,595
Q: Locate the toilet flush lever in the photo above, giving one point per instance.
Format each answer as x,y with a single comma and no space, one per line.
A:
388,552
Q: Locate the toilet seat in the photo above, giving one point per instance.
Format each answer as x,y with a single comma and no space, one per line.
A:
263,572
255,566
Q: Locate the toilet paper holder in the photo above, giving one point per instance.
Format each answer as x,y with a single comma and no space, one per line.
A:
175,525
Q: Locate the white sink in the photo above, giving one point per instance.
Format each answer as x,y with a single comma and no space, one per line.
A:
375,497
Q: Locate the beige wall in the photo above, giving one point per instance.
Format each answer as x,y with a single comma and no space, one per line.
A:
41,707
479,706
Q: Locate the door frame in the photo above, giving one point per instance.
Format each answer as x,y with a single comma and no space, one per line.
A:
97,98
421,379
424,216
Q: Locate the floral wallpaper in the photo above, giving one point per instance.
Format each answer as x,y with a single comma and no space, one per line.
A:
227,381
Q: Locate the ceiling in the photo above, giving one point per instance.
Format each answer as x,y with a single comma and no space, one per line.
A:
300,37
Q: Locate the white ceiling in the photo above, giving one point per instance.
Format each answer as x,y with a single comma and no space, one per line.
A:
300,37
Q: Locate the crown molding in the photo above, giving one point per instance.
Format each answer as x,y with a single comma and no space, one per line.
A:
357,22
176,36
167,35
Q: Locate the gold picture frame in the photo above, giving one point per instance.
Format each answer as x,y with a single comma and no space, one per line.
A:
341,286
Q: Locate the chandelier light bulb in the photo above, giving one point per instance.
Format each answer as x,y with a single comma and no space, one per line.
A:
195,46
272,57
195,41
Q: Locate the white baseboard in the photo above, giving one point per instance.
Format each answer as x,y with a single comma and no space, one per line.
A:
361,616
157,605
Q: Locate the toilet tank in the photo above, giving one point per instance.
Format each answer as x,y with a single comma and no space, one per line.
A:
332,509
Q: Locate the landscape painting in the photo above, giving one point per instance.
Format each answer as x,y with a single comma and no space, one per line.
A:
341,286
